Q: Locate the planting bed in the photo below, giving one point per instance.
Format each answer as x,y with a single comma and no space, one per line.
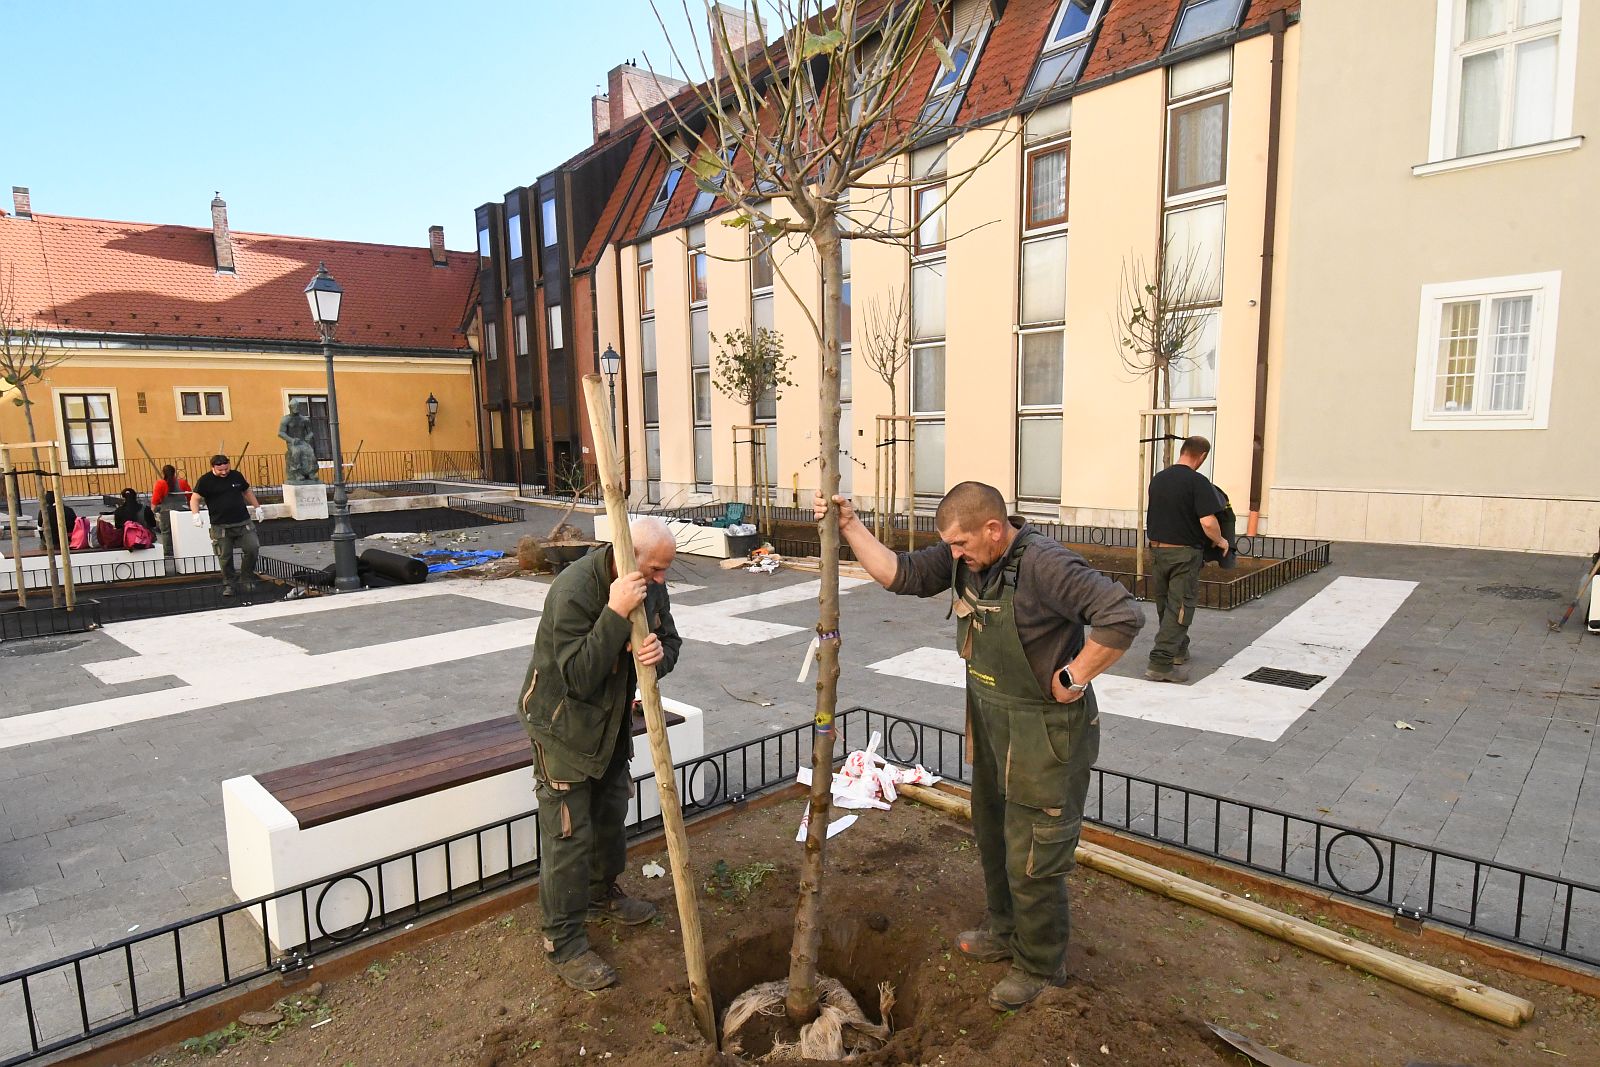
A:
1147,973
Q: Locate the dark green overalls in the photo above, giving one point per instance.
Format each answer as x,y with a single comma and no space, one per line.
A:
1031,758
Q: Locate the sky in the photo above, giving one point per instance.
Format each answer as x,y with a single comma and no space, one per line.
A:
355,120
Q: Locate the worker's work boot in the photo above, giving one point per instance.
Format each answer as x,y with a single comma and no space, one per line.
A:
983,945
586,971
621,908
1019,988
1176,674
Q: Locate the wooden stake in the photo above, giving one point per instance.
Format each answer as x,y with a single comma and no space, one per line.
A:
1473,997
683,882
13,488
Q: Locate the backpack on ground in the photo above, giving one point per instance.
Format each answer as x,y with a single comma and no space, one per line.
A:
107,532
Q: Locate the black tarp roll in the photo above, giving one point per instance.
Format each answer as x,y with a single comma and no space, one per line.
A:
395,567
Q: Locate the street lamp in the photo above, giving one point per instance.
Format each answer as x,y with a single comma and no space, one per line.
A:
610,364
324,295
433,410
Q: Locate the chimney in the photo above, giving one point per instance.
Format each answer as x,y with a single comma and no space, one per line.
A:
743,29
631,89
22,204
600,106
436,246
221,241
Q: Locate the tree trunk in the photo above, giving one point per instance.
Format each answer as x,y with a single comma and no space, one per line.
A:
802,998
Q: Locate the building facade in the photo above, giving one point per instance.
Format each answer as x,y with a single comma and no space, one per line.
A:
1080,138
179,342
1441,386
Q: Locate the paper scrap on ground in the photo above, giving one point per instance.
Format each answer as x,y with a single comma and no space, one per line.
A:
834,827
652,870
867,780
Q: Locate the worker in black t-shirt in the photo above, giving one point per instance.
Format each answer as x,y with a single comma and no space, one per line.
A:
226,494
1181,522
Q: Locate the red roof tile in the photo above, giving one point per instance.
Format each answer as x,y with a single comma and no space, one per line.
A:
132,277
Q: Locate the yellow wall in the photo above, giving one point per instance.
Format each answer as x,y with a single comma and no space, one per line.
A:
382,403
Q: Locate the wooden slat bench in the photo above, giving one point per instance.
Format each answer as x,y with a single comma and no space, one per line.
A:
299,825
342,786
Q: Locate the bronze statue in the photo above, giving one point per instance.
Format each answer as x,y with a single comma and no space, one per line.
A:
300,455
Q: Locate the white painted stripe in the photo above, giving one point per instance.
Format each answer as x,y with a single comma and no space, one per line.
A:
719,624
222,663
1322,636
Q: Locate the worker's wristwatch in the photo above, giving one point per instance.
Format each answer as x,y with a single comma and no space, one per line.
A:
1064,676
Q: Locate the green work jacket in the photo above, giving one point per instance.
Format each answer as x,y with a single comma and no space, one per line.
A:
580,682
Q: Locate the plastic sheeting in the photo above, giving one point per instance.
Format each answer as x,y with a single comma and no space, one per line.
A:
440,560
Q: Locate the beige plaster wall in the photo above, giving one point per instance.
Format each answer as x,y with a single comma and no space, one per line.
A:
1367,235
1114,215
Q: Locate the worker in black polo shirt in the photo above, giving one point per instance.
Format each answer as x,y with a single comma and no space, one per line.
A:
1181,522
226,495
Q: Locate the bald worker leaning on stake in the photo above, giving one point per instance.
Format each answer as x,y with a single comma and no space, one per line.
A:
575,704
1021,601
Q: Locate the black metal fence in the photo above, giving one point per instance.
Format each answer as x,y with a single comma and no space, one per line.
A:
53,1006
40,619
486,509
266,469
1539,912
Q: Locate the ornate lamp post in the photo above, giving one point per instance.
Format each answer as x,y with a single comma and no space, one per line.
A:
324,295
610,365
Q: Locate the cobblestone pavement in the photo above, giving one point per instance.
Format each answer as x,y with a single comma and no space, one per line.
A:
102,829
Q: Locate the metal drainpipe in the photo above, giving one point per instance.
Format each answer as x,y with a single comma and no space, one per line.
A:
1269,231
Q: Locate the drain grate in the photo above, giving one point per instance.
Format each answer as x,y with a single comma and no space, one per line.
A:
1288,679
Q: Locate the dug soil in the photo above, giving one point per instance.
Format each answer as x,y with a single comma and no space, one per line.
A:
1146,975
1106,558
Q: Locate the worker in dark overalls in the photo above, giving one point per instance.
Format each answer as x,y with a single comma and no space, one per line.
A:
1021,602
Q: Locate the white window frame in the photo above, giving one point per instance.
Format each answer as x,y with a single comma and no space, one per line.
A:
1546,290
1205,192
978,34
117,436
1052,46
514,237
1446,113
202,390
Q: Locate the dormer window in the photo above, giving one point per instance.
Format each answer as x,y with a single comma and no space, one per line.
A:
1066,46
1201,19
658,207
704,198
962,52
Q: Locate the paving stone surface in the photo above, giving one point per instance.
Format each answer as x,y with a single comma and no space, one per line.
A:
111,828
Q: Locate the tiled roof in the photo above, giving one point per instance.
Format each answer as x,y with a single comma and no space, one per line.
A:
619,201
132,277
1131,33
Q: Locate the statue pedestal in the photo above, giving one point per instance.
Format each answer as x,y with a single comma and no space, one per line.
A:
306,501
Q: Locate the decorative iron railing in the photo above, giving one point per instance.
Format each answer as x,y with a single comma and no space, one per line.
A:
52,1006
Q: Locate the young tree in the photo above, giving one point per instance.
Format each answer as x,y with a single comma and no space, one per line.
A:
24,361
886,350
822,113
752,366
1157,325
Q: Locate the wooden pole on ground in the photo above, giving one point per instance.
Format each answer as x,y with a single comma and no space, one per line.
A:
13,501
683,883
1473,997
